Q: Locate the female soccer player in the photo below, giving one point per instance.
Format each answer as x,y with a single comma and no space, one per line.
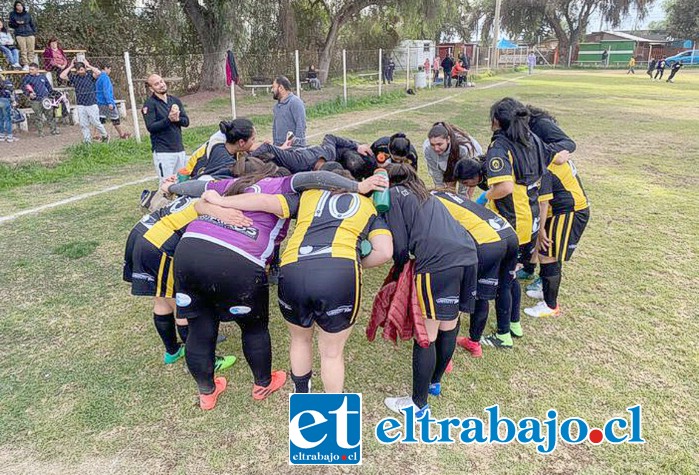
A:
446,144
446,265
220,276
320,278
514,165
394,149
497,247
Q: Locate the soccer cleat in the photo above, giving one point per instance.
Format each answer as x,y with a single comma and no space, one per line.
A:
499,341
542,310
208,401
516,329
174,358
435,389
222,363
473,347
536,294
524,275
535,285
397,404
261,392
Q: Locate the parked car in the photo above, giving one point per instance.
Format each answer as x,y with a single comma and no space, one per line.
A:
685,57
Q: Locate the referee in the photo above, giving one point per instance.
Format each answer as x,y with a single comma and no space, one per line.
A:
165,116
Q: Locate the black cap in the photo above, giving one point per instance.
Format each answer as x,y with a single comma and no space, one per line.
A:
467,168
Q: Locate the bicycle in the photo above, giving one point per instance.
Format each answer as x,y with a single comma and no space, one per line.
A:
58,100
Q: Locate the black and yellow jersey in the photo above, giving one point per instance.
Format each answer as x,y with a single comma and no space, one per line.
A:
482,224
564,189
329,225
165,226
524,167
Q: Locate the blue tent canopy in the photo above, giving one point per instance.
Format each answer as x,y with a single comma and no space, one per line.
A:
506,44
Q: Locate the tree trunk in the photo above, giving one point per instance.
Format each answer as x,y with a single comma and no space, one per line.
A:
213,73
328,47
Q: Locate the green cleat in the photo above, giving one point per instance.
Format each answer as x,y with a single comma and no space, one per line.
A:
516,329
524,275
224,362
499,341
171,359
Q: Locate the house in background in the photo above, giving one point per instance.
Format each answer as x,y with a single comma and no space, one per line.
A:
622,45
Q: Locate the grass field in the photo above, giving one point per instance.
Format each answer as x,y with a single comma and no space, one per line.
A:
83,388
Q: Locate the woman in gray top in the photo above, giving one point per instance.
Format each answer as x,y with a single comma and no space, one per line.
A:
441,155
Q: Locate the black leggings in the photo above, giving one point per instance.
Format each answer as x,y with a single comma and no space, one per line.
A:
216,284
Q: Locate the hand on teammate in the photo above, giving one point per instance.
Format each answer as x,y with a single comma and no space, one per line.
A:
374,182
211,204
364,150
165,186
542,241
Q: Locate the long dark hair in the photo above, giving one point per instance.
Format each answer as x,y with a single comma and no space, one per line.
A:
513,118
4,28
405,175
238,129
537,113
399,145
457,137
257,173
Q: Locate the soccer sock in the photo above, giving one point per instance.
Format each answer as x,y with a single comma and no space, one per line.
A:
444,349
479,318
165,325
201,345
529,267
183,331
551,282
424,361
302,384
257,348
516,292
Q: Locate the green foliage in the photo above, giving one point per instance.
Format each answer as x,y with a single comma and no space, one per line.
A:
683,19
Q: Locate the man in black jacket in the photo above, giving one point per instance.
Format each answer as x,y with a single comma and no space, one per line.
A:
25,30
447,66
165,116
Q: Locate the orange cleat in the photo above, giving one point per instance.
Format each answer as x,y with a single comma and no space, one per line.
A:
261,392
208,401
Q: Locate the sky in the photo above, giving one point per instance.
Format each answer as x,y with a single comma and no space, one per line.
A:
655,13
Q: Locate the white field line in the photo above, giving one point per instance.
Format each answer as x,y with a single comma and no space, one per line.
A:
83,196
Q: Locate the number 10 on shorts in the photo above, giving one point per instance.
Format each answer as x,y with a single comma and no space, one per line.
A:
325,429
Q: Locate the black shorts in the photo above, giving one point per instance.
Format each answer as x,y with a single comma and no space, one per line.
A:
111,114
526,251
213,280
564,231
325,291
443,294
496,262
149,270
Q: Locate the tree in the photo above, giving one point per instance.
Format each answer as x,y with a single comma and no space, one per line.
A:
683,19
212,20
568,19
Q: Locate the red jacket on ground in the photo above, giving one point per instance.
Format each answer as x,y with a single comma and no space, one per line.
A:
397,310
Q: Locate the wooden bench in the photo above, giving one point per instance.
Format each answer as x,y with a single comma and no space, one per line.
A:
253,87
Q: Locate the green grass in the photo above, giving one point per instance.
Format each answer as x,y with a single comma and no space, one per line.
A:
83,388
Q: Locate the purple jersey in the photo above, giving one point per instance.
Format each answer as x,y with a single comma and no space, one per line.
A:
255,242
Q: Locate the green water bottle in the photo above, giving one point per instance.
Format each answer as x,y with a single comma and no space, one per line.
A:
182,175
382,199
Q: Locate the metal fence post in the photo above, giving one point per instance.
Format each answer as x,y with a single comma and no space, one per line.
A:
344,74
298,78
380,69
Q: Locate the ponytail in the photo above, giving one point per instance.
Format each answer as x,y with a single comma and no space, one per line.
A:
258,172
238,129
513,118
405,175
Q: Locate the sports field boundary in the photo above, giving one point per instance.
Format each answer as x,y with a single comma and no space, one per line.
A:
84,196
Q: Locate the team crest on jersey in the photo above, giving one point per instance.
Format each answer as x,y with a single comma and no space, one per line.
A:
496,164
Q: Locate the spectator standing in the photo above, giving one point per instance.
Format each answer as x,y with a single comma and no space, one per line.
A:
86,98
605,58
25,32
435,68
674,70
7,46
660,69
385,72
55,59
105,101
165,116
426,66
391,69
7,102
37,87
651,68
531,62
632,66
447,66
289,114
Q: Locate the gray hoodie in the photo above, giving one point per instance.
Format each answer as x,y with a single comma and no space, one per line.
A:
437,164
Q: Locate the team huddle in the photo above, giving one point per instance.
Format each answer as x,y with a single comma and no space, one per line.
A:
209,254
